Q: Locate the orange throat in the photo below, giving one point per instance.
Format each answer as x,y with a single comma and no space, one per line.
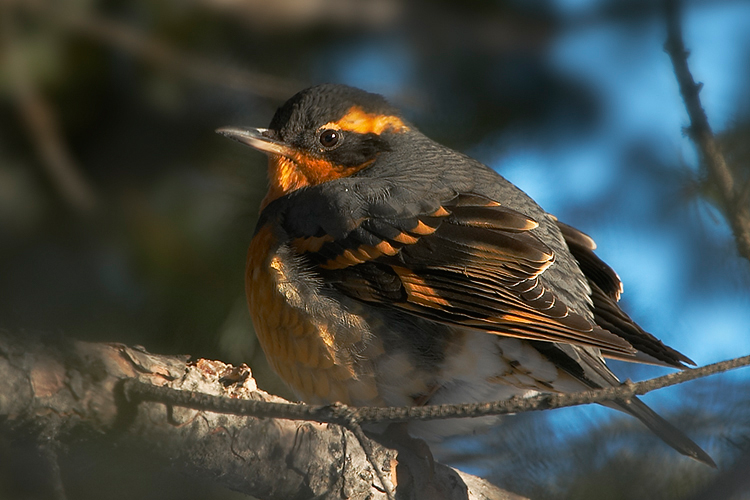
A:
283,177
289,174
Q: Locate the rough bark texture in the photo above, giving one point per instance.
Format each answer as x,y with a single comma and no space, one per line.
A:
63,389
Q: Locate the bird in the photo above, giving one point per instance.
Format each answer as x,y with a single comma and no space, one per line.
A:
389,270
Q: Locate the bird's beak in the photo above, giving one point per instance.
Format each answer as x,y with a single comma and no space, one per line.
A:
256,138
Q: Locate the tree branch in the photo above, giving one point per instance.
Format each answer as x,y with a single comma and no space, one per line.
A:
65,389
210,418
734,199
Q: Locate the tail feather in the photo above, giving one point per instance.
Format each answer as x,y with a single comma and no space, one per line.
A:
666,431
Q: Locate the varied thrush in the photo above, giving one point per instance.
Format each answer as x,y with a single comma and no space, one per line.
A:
387,269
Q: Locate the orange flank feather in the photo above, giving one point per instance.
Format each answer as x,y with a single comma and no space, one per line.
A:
300,348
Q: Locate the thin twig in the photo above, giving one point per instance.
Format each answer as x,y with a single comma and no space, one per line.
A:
366,445
733,199
343,415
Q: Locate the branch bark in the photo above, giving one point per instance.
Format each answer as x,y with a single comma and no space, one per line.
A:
211,419
63,389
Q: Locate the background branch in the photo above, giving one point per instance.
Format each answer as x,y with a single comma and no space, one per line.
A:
163,56
41,122
734,198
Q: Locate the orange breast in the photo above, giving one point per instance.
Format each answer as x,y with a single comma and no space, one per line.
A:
300,347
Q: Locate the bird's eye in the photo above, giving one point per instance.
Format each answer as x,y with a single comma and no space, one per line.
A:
329,138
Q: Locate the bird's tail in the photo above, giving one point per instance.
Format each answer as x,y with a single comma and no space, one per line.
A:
666,431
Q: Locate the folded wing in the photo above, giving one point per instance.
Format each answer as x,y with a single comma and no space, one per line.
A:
470,262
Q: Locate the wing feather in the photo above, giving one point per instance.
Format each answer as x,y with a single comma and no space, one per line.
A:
469,262
605,292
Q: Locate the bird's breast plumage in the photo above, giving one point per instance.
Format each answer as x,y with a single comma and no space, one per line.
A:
310,340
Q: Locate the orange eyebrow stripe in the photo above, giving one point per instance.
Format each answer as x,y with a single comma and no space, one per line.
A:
356,120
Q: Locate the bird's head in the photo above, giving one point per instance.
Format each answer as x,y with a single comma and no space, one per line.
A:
322,133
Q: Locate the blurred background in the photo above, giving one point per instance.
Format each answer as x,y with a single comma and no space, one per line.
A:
125,218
